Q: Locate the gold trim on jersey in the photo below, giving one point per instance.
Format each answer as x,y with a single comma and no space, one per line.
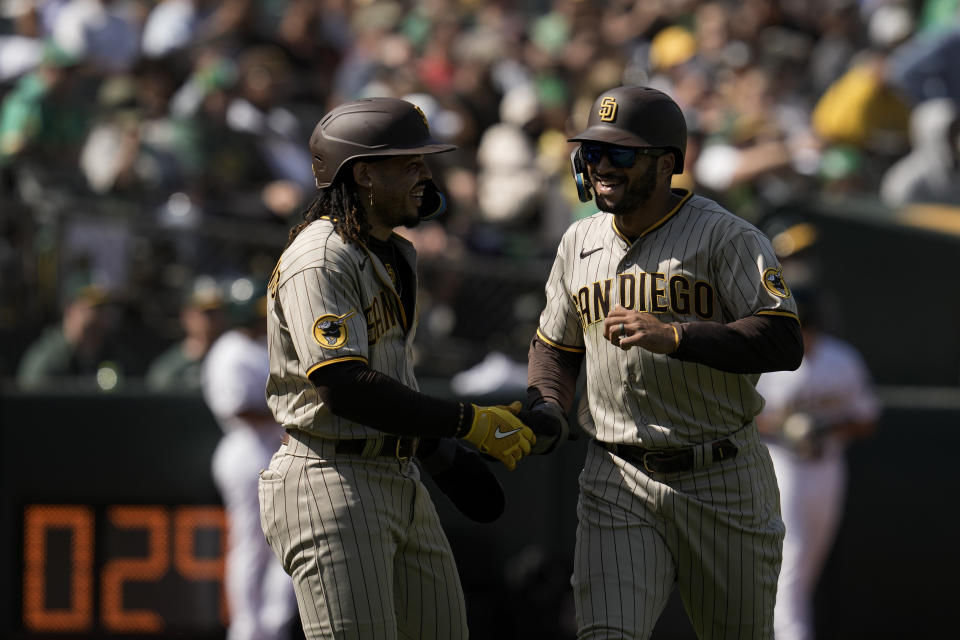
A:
333,361
330,330
557,345
274,281
774,312
659,223
616,230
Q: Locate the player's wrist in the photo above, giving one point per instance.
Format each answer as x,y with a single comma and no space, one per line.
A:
677,336
465,420
549,423
476,426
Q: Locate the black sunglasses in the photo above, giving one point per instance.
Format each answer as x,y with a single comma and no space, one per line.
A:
620,157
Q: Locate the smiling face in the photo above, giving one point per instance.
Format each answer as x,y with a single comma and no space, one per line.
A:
397,186
621,190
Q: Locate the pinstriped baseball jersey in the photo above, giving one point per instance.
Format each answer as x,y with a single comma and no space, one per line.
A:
358,533
329,302
698,263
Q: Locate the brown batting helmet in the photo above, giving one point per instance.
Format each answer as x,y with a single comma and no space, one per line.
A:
637,117
366,128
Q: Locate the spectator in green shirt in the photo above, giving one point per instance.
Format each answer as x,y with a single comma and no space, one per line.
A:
203,319
41,117
77,351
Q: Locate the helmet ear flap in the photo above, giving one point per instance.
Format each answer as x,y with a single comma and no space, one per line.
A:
580,175
434,203
319,168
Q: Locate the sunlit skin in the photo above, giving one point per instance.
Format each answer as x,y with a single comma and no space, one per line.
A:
397,186
638,197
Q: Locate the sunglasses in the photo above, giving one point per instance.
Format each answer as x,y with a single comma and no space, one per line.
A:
620,157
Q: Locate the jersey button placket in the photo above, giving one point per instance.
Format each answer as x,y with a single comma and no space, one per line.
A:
626,260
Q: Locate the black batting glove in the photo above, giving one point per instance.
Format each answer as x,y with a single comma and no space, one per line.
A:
464,478
549,423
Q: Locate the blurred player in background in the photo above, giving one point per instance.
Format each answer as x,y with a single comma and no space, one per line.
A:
810,416
259,593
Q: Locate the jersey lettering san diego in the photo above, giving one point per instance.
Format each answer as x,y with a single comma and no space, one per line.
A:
652,292
698,263
331,302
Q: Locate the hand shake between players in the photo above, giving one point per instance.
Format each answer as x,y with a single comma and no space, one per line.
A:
498,432
508,432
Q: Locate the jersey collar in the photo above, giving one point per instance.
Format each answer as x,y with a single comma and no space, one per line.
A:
685,195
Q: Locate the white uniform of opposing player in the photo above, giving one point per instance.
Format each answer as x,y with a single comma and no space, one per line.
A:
259,593
832,386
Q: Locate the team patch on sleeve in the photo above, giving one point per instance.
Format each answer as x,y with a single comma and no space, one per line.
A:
330,331
774,282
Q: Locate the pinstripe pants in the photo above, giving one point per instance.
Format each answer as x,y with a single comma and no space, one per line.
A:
715,533
364,545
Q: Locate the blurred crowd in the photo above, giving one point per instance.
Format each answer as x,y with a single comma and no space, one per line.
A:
147,146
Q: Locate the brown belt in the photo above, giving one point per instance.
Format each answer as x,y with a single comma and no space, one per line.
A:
399,447
670,460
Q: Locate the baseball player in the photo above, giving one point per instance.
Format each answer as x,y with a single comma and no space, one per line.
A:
676,306
810,416
342,503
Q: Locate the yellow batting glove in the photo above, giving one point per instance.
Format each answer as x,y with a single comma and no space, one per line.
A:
499,433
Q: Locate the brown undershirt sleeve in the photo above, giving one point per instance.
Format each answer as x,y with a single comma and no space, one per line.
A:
551,375
347,389
755,344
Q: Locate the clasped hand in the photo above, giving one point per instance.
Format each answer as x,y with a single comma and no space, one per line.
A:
626,328
498,432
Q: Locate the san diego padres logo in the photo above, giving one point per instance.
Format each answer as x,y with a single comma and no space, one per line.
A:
330,331
608,109
774,282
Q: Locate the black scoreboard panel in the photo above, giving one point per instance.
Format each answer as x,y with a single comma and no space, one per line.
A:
111,525
111,508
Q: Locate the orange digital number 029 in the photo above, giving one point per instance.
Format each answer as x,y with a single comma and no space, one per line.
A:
78,521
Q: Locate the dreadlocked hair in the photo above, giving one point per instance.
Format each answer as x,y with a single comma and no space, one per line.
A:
339,203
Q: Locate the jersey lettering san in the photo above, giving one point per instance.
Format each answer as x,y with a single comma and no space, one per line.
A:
679,294
383,314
